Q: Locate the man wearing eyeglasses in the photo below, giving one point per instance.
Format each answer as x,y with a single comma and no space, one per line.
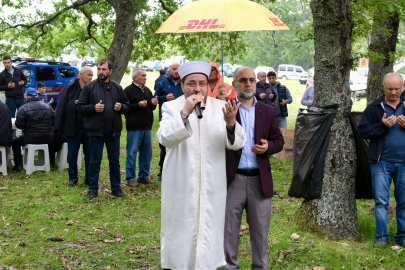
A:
250,183
194,178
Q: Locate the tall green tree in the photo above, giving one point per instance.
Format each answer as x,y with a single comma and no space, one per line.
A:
335,213
119,30
268,48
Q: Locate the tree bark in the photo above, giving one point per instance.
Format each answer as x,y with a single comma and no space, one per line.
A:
122,43
335,214
384,45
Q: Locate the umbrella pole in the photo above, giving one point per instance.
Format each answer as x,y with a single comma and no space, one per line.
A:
222,56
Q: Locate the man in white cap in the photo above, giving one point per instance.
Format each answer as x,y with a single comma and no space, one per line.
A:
194,184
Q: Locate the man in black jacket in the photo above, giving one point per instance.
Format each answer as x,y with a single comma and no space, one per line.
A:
12,80
139,128
36,119
160,78
6,131
102,102
69,123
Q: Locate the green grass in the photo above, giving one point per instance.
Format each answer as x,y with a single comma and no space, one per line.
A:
36,207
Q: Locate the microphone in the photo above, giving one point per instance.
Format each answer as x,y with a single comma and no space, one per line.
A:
198,112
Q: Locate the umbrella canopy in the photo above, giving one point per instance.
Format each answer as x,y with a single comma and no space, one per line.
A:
221,16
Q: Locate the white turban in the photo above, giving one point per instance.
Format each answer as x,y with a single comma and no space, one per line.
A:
194,67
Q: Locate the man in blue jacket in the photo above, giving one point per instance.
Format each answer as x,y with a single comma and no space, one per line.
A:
283,98
168,90
383,123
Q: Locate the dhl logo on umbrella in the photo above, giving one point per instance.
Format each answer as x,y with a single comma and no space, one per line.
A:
203,24
276,22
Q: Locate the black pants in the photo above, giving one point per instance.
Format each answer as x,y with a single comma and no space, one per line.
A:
55,146
162,157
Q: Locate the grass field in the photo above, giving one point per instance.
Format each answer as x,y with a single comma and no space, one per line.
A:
110,233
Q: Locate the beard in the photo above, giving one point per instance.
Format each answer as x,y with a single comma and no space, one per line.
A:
176,78
103,77
244,95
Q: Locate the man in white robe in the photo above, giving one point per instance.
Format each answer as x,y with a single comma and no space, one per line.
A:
194,185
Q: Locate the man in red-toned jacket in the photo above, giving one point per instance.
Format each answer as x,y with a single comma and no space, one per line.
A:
250,184
217,88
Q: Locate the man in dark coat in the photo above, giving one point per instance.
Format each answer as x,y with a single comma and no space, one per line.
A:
102,102
36,119
12,80
168,90
139,121
6,131
160,78
383,123
250,184
264,91
70,123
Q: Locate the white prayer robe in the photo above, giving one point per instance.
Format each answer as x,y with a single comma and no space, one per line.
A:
194,185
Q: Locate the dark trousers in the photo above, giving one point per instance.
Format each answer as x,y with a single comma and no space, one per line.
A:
73,151
246,193
55,146
14,104
112,144
162,157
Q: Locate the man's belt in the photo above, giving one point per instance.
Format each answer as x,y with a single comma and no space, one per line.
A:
248,172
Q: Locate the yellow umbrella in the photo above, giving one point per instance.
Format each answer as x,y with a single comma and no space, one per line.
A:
221,16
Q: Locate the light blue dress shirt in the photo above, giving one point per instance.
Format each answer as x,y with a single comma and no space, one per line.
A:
248,159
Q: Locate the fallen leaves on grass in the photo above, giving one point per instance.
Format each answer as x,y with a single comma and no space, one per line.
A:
115,240
244,230
72,222
56,239
380,260
283,253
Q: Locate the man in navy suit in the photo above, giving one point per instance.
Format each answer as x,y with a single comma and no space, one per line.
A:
250,184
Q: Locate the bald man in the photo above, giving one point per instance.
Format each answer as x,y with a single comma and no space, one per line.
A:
264,91
168,90
383,123
69,122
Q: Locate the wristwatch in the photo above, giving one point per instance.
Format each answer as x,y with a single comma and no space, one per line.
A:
183,115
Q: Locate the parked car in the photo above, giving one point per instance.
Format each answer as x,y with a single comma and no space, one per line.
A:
358,82
70,59
91,61
55,75
288,72
229,72
151,65
226,66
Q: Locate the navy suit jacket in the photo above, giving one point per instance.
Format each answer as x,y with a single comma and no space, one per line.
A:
266,127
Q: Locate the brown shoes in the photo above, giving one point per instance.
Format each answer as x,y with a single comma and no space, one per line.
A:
146,181
132,183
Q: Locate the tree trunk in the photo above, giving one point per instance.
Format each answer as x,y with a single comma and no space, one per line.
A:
122,43
335,214
383,45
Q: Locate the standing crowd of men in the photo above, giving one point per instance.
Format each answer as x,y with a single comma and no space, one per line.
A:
212,168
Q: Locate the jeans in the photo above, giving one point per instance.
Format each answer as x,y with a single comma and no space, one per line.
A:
138,140
73,151
112,144
14,104
282,121
382,173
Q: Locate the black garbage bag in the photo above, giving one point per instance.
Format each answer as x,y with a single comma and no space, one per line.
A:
312,130
363,175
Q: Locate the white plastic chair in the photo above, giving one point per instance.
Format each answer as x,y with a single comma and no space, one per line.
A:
42,163
3,160
62,158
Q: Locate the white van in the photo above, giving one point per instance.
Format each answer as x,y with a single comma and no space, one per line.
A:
288,72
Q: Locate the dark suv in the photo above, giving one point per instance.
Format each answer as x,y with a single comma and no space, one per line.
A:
55,75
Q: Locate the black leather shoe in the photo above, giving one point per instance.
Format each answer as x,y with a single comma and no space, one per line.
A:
118,193
91,195
18,168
